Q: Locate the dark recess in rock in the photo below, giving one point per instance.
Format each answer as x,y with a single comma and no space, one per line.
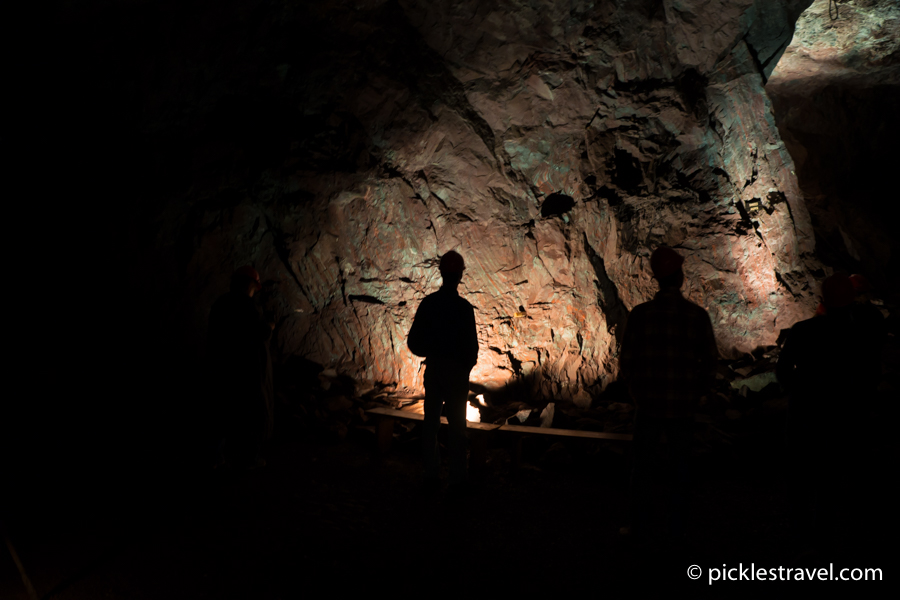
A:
627,173
616,312
611,196
556,204
692,87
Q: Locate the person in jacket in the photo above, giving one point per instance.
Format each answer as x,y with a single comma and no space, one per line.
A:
443,332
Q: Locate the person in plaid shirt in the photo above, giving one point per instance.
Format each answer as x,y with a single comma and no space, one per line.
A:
668,362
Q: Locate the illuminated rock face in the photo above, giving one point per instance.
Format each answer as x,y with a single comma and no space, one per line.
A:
836,95
552,144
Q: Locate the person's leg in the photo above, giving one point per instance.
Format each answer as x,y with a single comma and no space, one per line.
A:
646,435
458,393
679,436
434,402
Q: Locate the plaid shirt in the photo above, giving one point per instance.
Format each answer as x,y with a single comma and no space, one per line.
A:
668,355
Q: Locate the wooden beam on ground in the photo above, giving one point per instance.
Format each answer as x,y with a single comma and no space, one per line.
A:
575,433
478,439
523,430
406,414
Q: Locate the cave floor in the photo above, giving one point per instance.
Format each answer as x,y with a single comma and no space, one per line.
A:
337,517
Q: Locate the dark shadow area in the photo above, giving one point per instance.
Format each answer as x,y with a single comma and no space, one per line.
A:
608,296
556,205
327,505
626,171
848,192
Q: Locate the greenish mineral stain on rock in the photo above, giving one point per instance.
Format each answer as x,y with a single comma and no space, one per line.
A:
729,298
523,158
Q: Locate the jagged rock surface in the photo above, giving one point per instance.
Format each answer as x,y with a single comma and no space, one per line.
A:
342,147
836,98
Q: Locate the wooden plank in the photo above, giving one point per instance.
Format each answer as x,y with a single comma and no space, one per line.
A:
599,435
405,414
393,412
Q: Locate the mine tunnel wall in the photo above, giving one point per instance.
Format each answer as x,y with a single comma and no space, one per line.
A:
836,102
341,148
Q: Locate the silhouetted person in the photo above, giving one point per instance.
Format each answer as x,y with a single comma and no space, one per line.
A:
241,371
443,332
668,361
826,366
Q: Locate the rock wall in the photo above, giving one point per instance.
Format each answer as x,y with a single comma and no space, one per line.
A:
342,147
836,99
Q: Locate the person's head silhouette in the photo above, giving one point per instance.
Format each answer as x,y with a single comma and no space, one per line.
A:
666,266
452,266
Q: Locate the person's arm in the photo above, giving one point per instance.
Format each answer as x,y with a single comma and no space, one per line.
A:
627,352
419,339
710,353
472,342
630,354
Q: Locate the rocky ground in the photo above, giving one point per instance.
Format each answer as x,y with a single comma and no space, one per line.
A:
335,516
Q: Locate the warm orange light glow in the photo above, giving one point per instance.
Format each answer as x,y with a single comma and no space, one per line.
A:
472,414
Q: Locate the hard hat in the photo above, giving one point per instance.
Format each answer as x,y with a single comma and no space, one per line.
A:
248,272
837,291
664,262
452,262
